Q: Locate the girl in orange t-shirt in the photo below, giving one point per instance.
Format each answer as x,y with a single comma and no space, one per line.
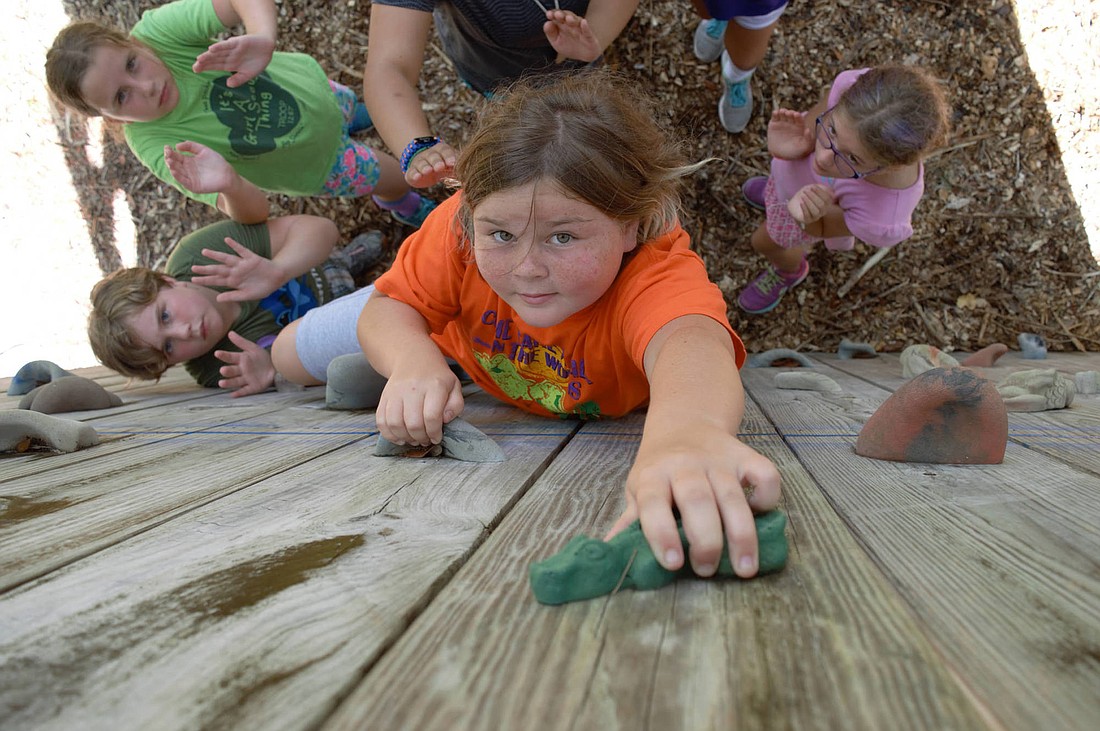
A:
561,281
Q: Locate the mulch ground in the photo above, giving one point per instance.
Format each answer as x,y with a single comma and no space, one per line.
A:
999,247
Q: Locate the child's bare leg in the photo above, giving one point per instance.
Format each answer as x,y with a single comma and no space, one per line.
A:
391,183
786,261
746,46
284,356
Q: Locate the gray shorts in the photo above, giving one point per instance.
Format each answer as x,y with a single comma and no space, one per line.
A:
329,331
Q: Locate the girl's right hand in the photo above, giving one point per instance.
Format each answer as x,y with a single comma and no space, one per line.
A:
246,56
432,165
788,136
415,406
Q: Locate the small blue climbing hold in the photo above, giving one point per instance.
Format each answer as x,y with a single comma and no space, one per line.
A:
1032,346
35,374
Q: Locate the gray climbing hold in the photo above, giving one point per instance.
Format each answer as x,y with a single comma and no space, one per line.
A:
1087,382
352,383
1032,346
849,349
20,430
917,359
461,440
69,393
34,374
777,356
1040,389
801,381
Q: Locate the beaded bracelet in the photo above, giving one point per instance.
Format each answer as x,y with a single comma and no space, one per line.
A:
418,144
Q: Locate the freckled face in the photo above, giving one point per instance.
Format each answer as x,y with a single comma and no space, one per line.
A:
183,322
547,255
129,84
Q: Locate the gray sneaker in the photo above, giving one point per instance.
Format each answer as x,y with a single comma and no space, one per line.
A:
735,106
709,42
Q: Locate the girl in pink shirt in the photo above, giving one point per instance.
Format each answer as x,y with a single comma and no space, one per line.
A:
848,168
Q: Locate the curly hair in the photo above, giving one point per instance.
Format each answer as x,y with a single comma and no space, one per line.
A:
592,134
115,299
900,112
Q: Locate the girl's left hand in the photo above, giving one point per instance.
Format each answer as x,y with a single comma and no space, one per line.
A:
811,203
246,56
571,37
717,483
248,276
198,168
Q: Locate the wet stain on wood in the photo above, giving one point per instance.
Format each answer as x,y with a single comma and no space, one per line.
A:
246,584
13,507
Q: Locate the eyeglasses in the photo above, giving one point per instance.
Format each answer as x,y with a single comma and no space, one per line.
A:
845,166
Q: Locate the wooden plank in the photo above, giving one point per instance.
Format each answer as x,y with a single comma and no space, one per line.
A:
1000,562
826,644
260,609
1071,435
123,429
62,515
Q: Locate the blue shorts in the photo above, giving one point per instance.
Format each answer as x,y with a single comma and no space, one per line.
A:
751,14
329,331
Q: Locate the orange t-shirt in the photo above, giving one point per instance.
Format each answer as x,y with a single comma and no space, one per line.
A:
590,364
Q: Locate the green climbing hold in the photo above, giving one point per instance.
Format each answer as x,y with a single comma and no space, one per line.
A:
588,567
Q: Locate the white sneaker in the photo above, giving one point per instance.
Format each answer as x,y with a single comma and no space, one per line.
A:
709,42
735,106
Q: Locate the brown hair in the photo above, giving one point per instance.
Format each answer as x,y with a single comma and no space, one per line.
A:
592,134
70,56
900,113
115,299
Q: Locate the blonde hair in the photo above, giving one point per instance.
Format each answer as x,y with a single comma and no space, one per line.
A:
899,112
592,134
115,299
69,57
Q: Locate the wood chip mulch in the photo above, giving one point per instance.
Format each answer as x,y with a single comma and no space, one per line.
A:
999,246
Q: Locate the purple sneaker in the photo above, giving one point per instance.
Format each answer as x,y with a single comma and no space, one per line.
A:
416,219
764,292
753,190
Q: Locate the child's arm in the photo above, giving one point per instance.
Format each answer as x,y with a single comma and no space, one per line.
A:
247,372
690,456
202,170
584,39
396,44
298,243
422,393
246,55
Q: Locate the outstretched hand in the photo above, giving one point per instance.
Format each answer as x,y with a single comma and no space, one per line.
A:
717,483
247,56
247,372
811,203
247,275
431,165
198,168
788,136
571,36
